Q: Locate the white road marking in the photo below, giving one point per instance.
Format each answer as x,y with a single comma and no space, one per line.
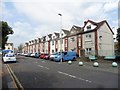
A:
39,66
46,68
43,61
14,78
72,76
43,67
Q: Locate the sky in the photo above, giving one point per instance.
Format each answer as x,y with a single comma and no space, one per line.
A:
31,19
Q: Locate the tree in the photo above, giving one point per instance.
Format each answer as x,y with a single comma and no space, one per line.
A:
20,47
118,39
5,30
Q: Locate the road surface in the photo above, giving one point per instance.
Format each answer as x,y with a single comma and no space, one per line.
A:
38,73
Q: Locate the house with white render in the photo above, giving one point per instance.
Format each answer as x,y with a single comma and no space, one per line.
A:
97,38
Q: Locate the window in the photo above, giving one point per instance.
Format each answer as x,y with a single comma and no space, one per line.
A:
89,36
52,51
65,53
56,49
100,37
53,37
88,50
89,27
72,39
52,42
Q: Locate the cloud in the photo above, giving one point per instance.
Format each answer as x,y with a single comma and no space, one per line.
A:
40,17
45,13
22,33
110,6
5,13
41,31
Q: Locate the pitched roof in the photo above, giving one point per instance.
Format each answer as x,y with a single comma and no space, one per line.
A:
66,31
77,27
98,24
57,34
49,35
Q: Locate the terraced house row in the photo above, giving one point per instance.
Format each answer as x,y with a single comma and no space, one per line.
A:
94,38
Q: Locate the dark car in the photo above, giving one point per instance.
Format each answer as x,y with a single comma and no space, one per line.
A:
117,57
46,56
37,55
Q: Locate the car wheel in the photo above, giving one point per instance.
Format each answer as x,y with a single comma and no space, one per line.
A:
62,59
74,58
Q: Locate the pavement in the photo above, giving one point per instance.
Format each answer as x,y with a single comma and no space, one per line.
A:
0,72
104,65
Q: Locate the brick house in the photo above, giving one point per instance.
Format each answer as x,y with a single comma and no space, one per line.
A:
47,43
74,40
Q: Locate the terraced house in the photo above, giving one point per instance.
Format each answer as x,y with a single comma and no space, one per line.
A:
47,43
93,38
97,38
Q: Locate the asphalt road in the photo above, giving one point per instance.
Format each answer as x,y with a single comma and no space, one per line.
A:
38,73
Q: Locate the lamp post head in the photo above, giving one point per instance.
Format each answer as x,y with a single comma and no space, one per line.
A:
60,14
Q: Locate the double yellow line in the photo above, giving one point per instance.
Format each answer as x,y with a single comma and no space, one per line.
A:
16,82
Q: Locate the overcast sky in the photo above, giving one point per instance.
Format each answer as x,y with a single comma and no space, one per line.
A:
35,18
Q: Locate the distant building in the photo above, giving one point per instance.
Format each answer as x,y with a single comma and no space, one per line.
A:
15,50
9,46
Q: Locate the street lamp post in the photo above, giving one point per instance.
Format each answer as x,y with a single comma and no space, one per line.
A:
60,35
113,42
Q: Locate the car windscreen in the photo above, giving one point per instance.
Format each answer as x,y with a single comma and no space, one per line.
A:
54,54
10,55
46,54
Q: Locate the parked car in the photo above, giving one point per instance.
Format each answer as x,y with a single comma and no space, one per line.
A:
52,56
33,54
117,57
46,56
22,54
37,55
18,53
42,55
66,56
9,57
25,54
28,54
